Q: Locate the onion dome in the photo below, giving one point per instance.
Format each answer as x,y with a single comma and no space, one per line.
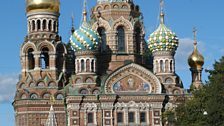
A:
42,5
163,39
84,38
196,60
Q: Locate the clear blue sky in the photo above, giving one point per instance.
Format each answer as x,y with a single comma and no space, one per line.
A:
181,16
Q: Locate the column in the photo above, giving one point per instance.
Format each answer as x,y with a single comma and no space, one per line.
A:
90,65
84,65
37,60
80,66
76,66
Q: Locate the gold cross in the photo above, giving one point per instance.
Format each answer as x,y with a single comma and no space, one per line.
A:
195,35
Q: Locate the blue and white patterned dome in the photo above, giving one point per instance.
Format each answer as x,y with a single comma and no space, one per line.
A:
85,38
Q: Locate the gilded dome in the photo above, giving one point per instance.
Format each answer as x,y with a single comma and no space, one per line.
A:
42,5
163,39
196,60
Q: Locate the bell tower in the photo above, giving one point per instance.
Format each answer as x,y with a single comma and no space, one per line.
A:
43,65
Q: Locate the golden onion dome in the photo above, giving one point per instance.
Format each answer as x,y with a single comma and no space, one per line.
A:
196,60
42,5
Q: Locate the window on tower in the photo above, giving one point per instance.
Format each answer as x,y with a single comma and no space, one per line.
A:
119,117
31,59
142,117
121,39
138,40
102,33
131,118
44,58
90,117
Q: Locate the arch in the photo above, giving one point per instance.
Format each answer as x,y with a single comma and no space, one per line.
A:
33,96
59,96
123,22
89,80
40,84
78,81
134,70
23,96
51,84
101,23
22,85
103,36
107,6
82,65
83,91
115,6
27,46
46,95
32,84
169,80
121,39
46,44
95,91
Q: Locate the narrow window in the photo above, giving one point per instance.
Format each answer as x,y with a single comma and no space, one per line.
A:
50,25
33,25
166,66
92,66
44,58
119,117
82,65
90,117
142,117
44,24
131,118
162,69
171,66
38,24
121,39
138,40
102,33
54,26
31,60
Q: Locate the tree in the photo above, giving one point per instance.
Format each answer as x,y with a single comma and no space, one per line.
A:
206,106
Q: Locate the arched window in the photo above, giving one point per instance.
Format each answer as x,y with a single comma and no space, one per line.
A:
44,24
44,58
33,25
88,65
157,67
38,24
31,60
166,66
60,57
121,39
171,66
59,97
92,66
82,65
162,69
102,33
50,25
54,26
138,40
33,96
46,96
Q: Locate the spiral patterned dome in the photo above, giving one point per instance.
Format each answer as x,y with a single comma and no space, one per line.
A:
85,38
163,39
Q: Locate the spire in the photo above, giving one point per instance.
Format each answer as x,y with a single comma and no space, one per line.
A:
84,12
73,28
51,121
162,12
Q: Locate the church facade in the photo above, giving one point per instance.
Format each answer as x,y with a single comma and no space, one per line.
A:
106,75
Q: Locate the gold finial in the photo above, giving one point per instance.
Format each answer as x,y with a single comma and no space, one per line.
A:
52,100
84,12
73,28
161,11
195,35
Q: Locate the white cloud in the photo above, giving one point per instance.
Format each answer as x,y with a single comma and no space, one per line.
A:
184,50
8,86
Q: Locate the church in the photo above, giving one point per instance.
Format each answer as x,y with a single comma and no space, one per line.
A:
106,74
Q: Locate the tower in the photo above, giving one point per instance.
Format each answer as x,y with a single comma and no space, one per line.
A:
120,26
163,44
196,62
43,65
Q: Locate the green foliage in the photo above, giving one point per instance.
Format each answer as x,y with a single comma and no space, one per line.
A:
208,99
